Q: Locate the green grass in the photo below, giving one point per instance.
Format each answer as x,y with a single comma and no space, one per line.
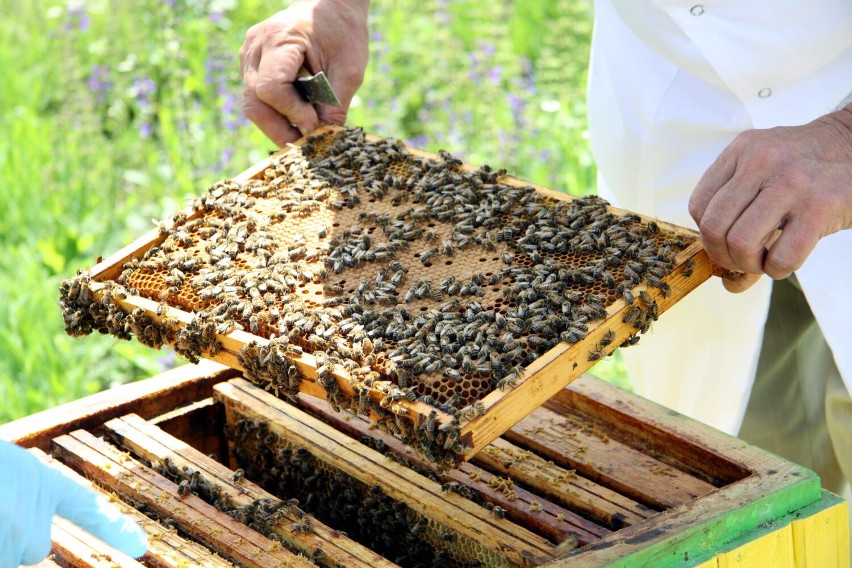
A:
114,114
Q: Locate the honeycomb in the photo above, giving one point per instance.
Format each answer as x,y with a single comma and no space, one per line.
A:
445,280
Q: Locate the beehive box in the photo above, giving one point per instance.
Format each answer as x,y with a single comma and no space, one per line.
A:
444,301
221,473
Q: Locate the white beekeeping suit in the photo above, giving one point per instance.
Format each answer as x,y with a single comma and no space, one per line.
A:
671,84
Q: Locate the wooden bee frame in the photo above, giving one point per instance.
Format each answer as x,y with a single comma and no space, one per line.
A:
490,411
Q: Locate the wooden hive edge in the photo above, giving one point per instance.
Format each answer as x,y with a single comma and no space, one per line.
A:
148,398
772,488
106,465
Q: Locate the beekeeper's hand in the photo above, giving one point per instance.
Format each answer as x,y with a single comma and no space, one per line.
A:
31,492
322,35
796,179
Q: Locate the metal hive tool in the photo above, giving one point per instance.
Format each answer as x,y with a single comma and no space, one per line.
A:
444,301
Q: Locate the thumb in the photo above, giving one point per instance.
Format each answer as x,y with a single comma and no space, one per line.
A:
95,514
741,283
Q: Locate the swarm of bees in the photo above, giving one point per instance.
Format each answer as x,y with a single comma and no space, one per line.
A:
438,281
262,515
366,513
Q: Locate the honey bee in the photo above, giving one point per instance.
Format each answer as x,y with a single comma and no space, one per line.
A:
167,293
654,310
305,525
596,354
333,288
453,374
632,316
507,382
399,409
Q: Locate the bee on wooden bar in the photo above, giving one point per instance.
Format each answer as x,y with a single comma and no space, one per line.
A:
654,310
305,525
596,354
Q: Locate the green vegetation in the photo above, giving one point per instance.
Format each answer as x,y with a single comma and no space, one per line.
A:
114,114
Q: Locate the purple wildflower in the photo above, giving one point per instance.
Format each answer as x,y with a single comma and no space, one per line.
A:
143,89
518,107
418,141
495,74
474,74
215,66
225,158
230,111
98,82
168,361
488,49
77,18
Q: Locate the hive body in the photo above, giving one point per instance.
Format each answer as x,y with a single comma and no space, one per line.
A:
221,472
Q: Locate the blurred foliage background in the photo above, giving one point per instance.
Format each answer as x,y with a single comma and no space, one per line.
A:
114,112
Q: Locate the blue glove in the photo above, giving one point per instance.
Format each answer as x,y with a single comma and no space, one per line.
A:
31,492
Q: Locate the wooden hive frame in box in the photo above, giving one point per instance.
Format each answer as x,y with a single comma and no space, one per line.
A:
612,478
531,286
